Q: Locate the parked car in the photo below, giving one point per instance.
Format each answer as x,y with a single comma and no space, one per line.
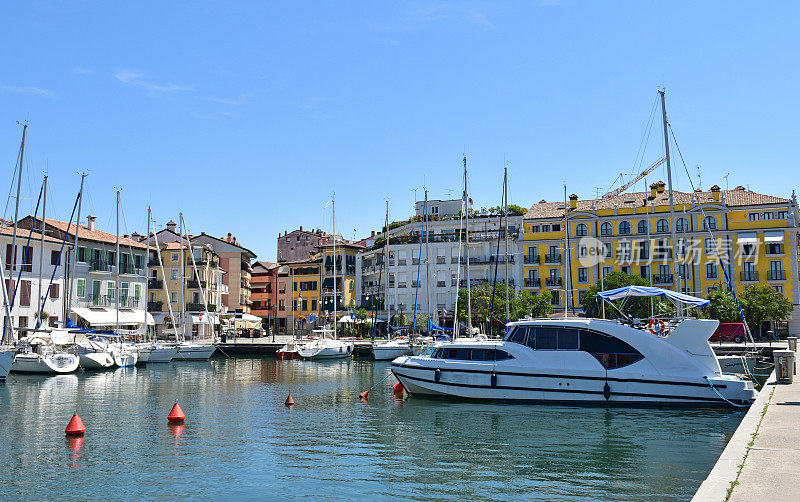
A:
729,332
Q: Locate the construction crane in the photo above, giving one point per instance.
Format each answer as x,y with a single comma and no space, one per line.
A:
617,191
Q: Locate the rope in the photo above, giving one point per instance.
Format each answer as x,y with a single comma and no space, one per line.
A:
723,397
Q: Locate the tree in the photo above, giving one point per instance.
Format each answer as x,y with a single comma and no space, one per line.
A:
635,307
534,305
520,305
515,210
723,306
762,303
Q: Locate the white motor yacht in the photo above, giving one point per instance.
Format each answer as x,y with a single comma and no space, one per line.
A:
191,351
326,348
391,349
581,360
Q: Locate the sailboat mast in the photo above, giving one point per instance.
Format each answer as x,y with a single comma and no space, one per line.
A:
41,245
75,248
164,279
333,202
466,215
146,278
386,302
183,279
116,276
567,264
427,257
505,231
196,273
671,198
13,256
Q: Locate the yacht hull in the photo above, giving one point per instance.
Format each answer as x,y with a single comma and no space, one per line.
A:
328,351
195,352
52,364
125,359
162,354
96,360
6,361
475,384
388,353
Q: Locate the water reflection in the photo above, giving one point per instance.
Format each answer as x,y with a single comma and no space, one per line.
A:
242,440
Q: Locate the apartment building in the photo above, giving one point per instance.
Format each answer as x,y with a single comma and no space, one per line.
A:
339,264
303,295
235,260
26,292
95,293
752,235
264,290
437,263
300,244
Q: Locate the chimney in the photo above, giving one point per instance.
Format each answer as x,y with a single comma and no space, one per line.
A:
573,201
229,237
653,190
372,233
171,226
715,193
660,186
125,236
90,222
301,228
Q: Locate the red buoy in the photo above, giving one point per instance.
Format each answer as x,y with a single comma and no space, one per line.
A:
176,415
75,426
398,388
289,401
364,394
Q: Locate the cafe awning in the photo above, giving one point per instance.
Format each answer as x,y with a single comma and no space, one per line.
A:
102,316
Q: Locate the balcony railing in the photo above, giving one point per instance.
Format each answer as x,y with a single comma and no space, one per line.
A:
200,262
441,284
199,307
749,276
662,279
155,284
531,260
554,281
152,262
533,283
109,301
154,306
440,260
552,258
777,275
194,284
99,266
129,268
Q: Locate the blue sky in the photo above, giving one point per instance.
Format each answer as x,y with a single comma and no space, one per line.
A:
246,116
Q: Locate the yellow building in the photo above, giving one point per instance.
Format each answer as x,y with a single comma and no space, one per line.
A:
304,293
164,287
753,236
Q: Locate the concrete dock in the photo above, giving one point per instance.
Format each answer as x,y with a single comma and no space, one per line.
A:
762,459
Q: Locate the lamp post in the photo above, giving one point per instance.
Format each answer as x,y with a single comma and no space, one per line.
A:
299,306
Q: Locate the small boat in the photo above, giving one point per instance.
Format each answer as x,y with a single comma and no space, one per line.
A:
124,357
741,364
155,352
289,351
391,349
326,348
190,351
584,360
7,354
94,354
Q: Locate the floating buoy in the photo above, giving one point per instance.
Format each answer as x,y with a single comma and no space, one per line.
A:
364,394
176,415
75,426
289,401
398,388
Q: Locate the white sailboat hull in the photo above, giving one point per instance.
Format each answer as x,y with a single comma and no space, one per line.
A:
388,351
58,363
6,361
159,354
125,359
194,352
96,360
326,349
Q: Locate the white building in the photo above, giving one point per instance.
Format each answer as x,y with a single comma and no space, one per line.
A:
440,264
95,294
29,290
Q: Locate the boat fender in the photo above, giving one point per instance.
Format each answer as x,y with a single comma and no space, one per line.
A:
494,380
606,391
437,374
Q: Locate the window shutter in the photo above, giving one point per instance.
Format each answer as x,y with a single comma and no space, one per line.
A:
54,291
25,294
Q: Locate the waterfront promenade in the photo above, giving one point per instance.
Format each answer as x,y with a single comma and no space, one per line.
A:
760,461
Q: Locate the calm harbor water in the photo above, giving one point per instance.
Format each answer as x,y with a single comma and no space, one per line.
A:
241,442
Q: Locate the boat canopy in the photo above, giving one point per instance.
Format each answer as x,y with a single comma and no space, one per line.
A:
434,327
649,291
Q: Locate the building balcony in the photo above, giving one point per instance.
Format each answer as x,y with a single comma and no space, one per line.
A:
552,258
194,284
199,307
533,283
749,276
152,262
662,279
441,284
129,269
99,266
441,260
777,275
554,282
200,262
154,306
472,282
532,260
155,284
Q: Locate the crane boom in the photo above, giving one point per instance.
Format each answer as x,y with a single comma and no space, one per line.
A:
617,191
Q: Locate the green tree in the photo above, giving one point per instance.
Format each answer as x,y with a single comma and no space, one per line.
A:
635,307
762,303
515,210
723,306
534,305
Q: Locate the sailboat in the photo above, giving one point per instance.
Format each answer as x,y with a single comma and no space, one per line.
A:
324,347
124,355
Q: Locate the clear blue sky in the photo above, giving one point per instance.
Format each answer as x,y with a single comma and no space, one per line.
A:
248,115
